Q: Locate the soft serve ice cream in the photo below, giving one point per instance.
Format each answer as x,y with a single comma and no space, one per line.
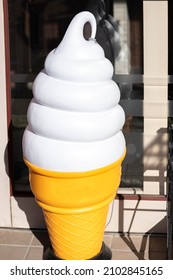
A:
73,144
74,119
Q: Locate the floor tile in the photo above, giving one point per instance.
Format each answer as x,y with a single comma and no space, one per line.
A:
108,240
17,237
35,253
124,255
18,244
157,243
157,255
130,243
12,252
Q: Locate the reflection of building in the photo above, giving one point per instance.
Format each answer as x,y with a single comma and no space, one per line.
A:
130,17
33,28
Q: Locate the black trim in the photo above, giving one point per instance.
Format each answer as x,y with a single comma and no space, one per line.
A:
104,254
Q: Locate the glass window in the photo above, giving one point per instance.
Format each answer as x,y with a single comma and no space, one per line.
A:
128,16
37,26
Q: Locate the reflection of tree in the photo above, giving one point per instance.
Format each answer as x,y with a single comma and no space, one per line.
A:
36,27
107,34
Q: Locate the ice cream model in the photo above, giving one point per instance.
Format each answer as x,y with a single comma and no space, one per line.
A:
73,145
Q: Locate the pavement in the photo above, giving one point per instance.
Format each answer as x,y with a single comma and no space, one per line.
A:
26,244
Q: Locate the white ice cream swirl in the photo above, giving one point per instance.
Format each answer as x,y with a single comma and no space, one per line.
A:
74,118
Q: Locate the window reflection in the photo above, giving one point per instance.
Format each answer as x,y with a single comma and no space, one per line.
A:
37,26
129,17
128,75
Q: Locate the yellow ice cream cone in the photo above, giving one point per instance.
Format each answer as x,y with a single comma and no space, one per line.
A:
76,236
75,206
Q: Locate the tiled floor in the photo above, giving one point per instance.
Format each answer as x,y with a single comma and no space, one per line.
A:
29,245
